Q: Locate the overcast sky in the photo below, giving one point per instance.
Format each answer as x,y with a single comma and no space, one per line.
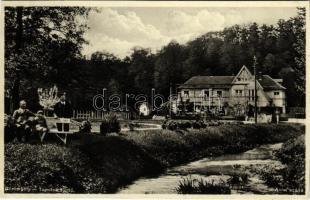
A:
118,30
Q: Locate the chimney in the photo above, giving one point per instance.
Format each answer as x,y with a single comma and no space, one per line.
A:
278,80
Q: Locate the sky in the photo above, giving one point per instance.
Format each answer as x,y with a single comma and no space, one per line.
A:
119,30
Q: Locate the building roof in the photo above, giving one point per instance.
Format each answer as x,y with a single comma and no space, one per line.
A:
208,82
225,82
270,84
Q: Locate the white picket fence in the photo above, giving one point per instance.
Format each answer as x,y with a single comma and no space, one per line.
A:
99,115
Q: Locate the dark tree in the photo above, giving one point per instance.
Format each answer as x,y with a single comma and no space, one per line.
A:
41,44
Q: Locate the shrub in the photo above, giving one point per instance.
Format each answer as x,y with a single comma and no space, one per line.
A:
193,186
131,127
164,124
172,148
172,125
196,125
96,165
187,186
110,124
238,180
85,127
188,124
292,154
205,187
184,125
271,177
289,179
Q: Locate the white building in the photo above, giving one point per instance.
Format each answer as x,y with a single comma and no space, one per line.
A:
219,92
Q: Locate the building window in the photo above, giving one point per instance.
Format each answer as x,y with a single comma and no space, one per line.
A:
206,93
239,79
186,93
219,93
251,95
276,93
238,92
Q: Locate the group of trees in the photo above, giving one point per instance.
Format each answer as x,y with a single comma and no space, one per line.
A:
41,46
46,51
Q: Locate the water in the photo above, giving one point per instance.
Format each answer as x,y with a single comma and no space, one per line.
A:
216,169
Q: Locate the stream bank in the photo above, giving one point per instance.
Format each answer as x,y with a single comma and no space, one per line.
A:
214,169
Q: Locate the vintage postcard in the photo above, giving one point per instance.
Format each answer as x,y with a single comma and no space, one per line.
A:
154,99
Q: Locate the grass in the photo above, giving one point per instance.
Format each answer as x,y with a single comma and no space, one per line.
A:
102,164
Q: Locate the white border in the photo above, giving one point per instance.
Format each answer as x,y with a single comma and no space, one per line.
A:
161,4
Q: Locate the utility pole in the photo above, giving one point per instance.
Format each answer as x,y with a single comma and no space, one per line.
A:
170,100
255,92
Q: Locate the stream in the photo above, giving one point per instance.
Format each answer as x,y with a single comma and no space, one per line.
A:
214,169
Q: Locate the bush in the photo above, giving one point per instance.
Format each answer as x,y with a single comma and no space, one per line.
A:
110,124
292,154
272,177
186,186
199,124
238,180
85,127
289,179
171,147
172,125
184,125
131,127
193,186
205,187
195,124
97,165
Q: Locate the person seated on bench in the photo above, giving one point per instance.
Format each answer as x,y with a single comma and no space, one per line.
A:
40,124
22,122
9,128
63,109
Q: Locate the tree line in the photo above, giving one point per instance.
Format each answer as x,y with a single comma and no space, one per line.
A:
43,47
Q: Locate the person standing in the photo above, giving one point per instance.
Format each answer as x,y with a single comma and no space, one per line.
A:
63,109
21,118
